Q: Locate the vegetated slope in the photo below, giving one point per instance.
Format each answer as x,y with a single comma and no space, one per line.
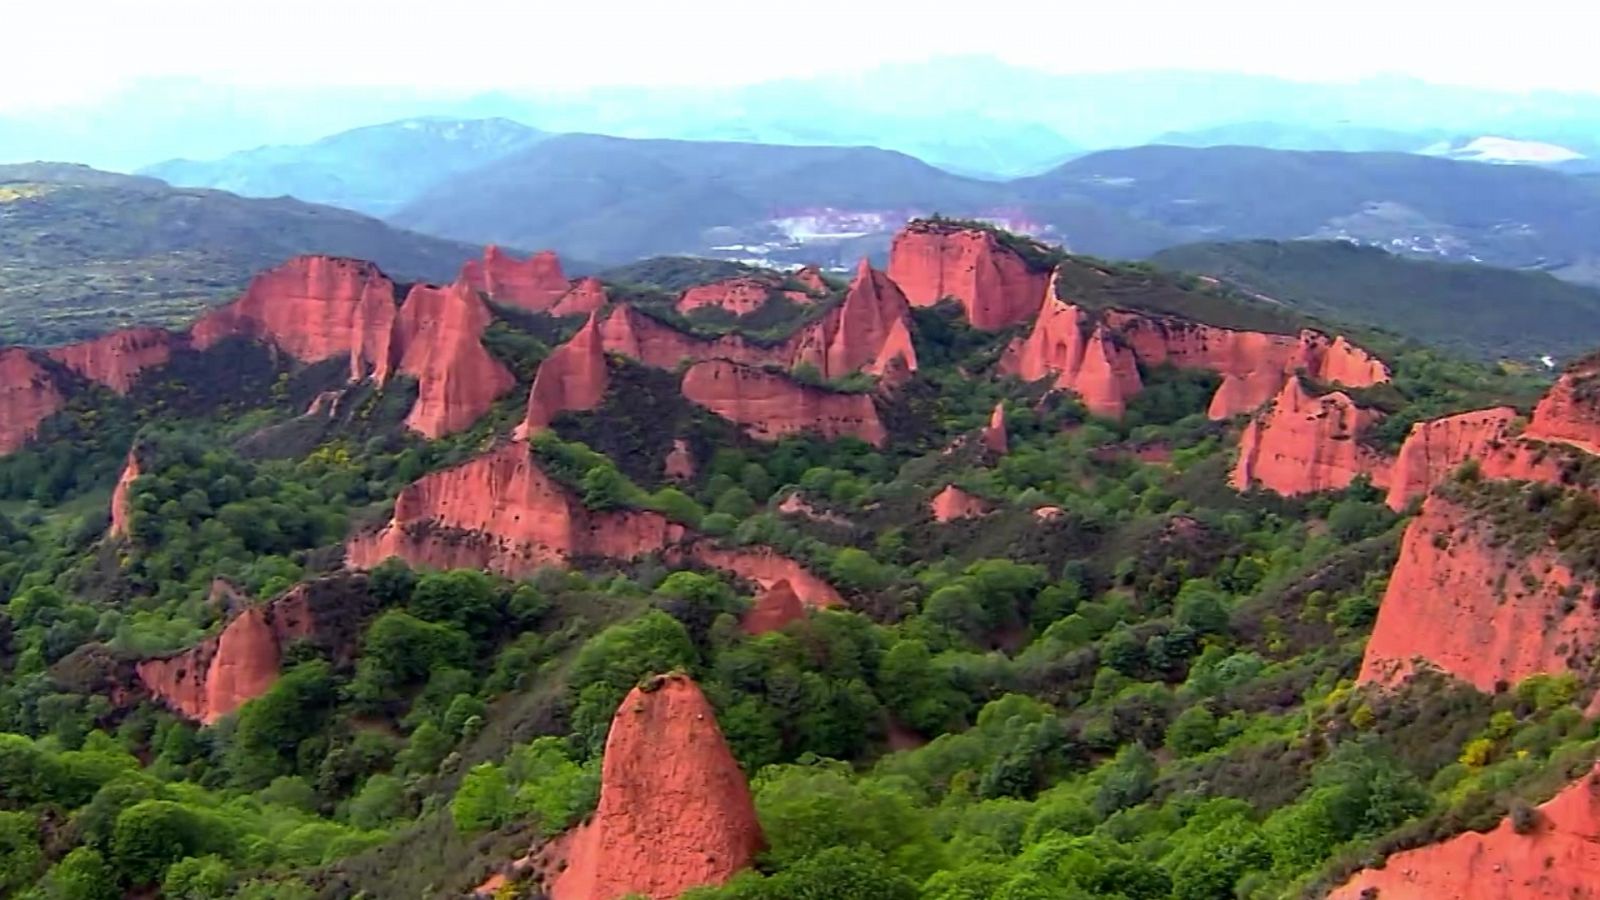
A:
1513,216
614,200
83,251
375,170
1023,651
1472,310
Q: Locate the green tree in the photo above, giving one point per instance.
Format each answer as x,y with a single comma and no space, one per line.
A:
483,800
20,855
81,875
197,878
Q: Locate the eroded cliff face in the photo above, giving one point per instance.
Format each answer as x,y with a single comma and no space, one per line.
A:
587,295
28,395
1466,604
1305,443
739,296
1435,449
439,337
953,503
870,331
1558,857
994,434
1080,355
679,464
774,608
572,378
638,336
996,287
117,359
501,512
536,283
810,278
121,499
314,308
1570,411
674,812
764,566
771,407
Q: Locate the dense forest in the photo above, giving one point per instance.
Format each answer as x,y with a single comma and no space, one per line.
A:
1121,679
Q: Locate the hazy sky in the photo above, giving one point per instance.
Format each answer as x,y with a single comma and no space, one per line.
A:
62,50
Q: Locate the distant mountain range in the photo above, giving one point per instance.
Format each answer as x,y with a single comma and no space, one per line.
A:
1472,310
1012,121
83,251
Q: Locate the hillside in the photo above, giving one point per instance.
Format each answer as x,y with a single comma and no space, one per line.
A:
1471,310
615,200
83,251
374,170
1002,572
1509,216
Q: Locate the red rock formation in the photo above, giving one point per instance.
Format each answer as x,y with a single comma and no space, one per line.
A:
215,678
772,406
810,278
1082,357
638,336
953,503
776,607
1559,856
117,359
572,378
994,434
796,505
1492,615
536,283
588,295
931,261
765,567
121,503
1570,411
314,308
1303,444
674,811
439,336
679,465
1435,449
739,296
28,396
501,512
865,333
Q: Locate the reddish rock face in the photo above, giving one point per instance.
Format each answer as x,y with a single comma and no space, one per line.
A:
994,434
679,465
765,567
1570,412
314,308
440,339
500,512
116,359
1083,358
867,332
953,503
535,283
572,378
28,396
674,811
1303,444
588,295
1435,449
776,607
810,278
121,503
771,406
739,296
1559,857
638,336
216,677
796,505
1491,614
996,286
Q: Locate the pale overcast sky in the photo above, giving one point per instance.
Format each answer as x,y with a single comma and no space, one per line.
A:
60,50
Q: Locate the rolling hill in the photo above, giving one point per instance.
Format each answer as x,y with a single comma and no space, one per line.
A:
1472,310
82,251
374,170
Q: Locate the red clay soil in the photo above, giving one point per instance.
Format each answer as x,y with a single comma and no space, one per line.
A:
572,378
1558,857
772,406
439,337
994,433
953,503
774,608
995,286
1304,443
116,359
674,812
28,396
121,503
536,283
679,464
